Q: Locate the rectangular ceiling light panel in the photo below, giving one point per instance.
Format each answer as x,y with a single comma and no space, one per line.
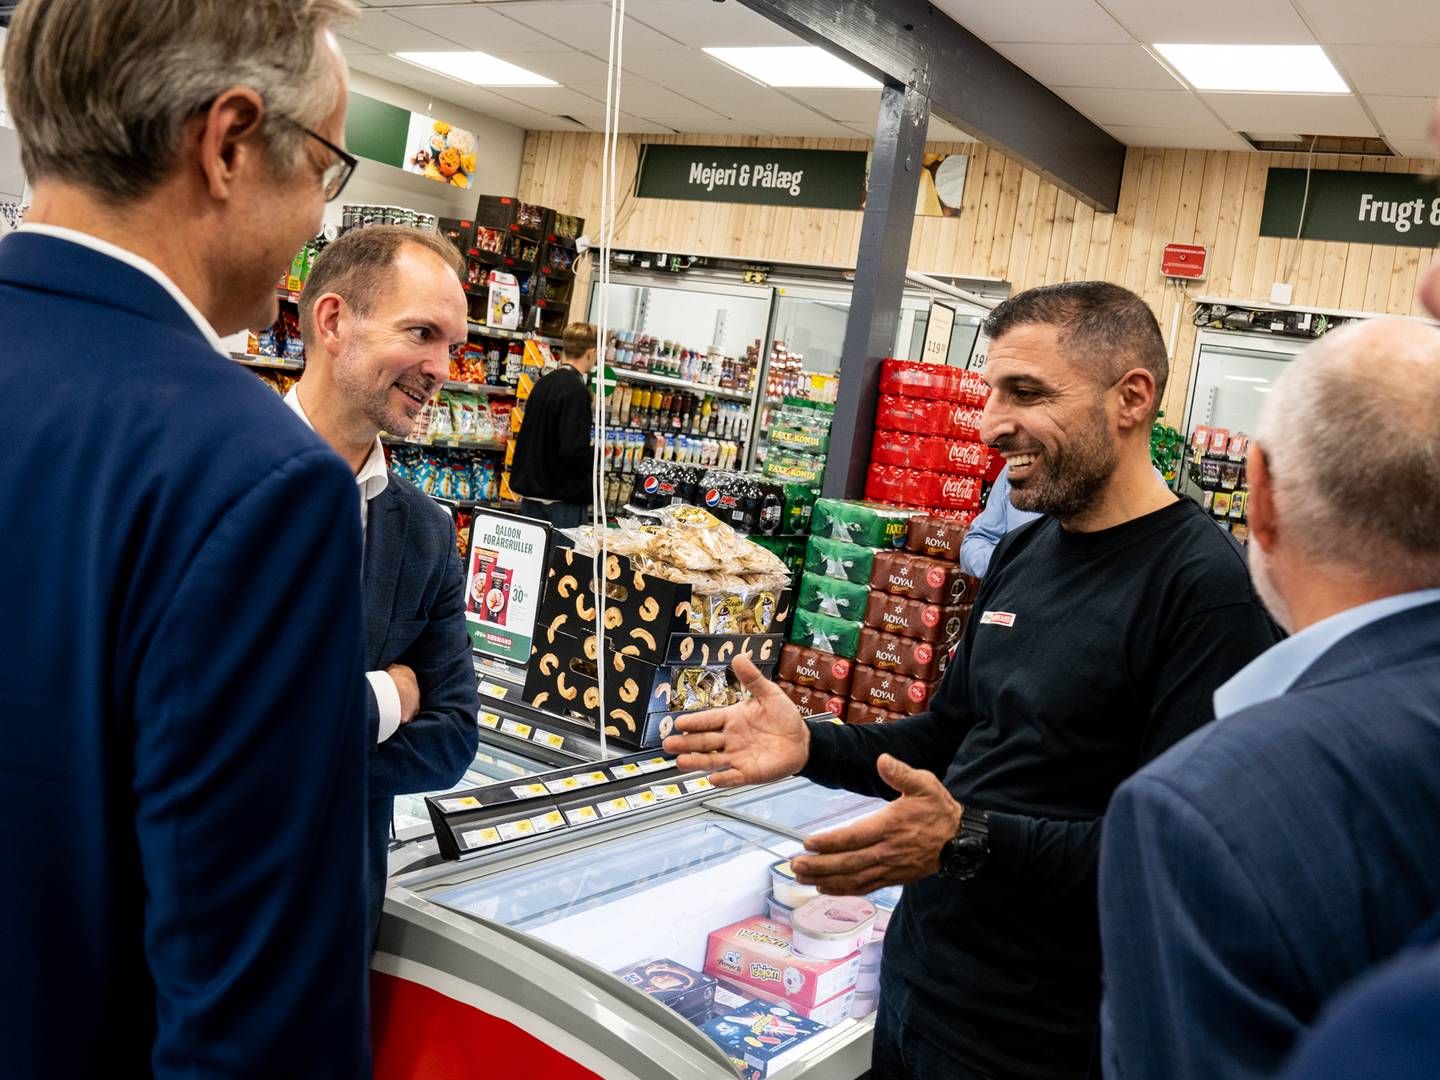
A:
476,68
794,66
1256,69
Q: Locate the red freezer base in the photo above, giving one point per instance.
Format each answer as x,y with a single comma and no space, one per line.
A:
420,1034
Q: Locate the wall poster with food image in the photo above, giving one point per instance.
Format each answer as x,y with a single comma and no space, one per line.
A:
503,583
440,151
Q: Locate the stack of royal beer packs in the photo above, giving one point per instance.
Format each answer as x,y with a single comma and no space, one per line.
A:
881,604
927,452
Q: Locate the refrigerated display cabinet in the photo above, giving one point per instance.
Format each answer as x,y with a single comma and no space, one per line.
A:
503,964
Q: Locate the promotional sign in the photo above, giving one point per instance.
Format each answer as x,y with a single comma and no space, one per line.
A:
419,144
938,330
818,179
1402,209
508,556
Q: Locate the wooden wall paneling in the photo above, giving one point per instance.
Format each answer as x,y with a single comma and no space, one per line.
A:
1192,184
1422,266
1077,260
1135,276
1005,222
1123,220
995,163
1061,237
1357,256
959,257
1017,269
1382,262
1242,271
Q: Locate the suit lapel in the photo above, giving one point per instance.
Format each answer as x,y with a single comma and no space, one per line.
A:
384,554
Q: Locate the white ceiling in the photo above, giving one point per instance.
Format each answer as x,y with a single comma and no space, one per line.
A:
1096,54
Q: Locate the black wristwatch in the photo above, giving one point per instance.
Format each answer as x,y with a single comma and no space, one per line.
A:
964,855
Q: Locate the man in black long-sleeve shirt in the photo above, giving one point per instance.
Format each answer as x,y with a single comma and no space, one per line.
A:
552,467
1097,639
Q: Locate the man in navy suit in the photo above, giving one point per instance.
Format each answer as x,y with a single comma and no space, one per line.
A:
1260,865
379,314
181,774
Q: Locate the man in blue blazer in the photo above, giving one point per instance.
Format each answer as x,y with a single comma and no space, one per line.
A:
1260,865
379,314
181,773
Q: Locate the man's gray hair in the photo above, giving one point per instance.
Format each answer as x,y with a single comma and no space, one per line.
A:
1352,442
99,89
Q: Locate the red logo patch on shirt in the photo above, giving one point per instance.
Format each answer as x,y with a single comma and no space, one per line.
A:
998,618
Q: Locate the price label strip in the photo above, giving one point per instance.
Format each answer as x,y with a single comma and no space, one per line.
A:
564,784
548,822
655,764
515,830
615,807
489,720
494,690
549,738
481,838
621,772
582,815
455,806
514,727
529,791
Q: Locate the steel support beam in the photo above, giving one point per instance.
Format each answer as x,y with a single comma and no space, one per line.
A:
879,282
969,85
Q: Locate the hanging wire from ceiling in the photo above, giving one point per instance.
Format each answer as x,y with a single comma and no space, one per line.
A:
608,172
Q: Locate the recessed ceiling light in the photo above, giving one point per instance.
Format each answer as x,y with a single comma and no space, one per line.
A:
476,68
1276,69
795,66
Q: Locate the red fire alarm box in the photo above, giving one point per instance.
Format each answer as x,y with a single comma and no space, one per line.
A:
1184,261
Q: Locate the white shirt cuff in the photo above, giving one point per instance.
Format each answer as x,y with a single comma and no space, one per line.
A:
387,697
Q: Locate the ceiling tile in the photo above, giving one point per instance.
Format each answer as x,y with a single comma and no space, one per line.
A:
818,127
1127,67
552,100
583,26
477,98
1137,108
1402,117
718,125
847,106
382,4
478,27
1188,138
630,125
709,24
1390,69
567,67
350,47
1073,21
1376,22
1304,114
1251,22
388,33
715,86
1415,148
645,98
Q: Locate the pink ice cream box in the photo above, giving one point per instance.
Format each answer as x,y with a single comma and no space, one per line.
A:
756,953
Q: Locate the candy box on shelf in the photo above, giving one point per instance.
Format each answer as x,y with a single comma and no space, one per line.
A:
756,954
811,667
839,559
934,452
866,525
857,712
939,626
922,578
889,690
826,633
891,652
833,596
761,1038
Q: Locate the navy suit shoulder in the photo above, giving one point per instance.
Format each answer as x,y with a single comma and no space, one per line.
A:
178,698
1309,819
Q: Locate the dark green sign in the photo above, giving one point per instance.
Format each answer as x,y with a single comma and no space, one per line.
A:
376,130
818,179
1354,207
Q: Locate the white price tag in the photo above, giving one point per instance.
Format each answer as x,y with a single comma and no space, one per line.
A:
494,690
620,772
655,764
564,784
489,720
454,806
641,798
615,807
590,779
549,738
544,823
479,838
514,727
581,814
514,830
666,792
701,783
528,791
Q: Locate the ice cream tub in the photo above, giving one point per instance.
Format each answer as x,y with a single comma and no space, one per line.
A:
864,1004
869,978
829,927
885,901
754,956
779,912
789,892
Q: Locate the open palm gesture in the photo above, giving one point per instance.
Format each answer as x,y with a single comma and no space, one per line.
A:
761,739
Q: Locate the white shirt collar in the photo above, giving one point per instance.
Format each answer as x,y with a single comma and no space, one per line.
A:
145,266
373,476
1274,671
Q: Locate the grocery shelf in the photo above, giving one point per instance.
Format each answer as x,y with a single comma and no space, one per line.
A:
293,296
272,363
443,441
512,335
481,388
632,375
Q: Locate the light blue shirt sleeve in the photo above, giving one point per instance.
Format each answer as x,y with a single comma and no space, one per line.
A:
998,518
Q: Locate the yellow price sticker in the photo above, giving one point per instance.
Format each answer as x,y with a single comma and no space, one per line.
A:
581,815
550,739
615,807
547,822
454,806
514,727
489,720
528,791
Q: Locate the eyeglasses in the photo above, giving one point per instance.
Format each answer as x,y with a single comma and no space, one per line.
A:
337,174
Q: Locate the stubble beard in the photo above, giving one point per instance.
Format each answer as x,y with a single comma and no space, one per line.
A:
1070,482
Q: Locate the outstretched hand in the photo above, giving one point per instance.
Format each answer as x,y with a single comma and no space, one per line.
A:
895,846
761,739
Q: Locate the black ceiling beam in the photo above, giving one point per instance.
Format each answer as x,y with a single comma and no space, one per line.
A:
970,85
